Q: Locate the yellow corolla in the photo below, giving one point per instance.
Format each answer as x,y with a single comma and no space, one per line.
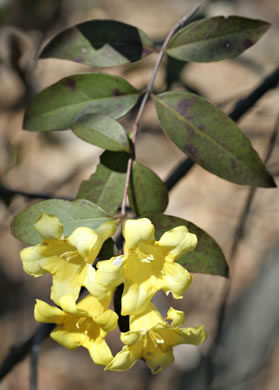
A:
85,324
152,339
146,265
69,260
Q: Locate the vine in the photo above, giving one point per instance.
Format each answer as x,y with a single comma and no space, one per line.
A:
73,239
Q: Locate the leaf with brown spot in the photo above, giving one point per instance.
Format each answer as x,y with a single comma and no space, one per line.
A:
210,138
215,39
60,105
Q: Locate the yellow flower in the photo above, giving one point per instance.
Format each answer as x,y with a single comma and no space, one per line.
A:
85,324
152,338
69,260
146,266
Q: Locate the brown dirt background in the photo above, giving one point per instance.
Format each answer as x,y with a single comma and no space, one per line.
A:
57,162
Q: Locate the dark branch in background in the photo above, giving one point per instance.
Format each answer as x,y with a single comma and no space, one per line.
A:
244,105
178,173
34,358
19,352
7,192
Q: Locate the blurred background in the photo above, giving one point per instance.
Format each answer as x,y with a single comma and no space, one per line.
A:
55,163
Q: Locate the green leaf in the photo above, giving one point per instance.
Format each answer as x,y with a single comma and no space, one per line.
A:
100,43
210,138
106,186
207,258
71,215
215,39
60,105
102,131
147,193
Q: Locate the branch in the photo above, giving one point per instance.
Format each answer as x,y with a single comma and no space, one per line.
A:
179,172
18,352
244,105
149,89
7,192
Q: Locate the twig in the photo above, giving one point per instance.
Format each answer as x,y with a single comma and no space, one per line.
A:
148,91
241,108
19,352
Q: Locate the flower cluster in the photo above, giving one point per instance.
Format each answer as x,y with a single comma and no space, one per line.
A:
145,267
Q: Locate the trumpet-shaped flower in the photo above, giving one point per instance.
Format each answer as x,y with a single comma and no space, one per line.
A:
69,260
85,324
147,265
152,339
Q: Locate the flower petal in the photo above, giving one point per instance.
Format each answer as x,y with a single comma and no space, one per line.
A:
98,290
135,231
178,241
159,360
94,306
66,338
43,312
100,352
65,281
107,320
83,239
68,304
49,227
196,335
33,261
126,358
89,242
177,317
131,337
87,277
110,272
135,297
176,279
106,230
146,319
